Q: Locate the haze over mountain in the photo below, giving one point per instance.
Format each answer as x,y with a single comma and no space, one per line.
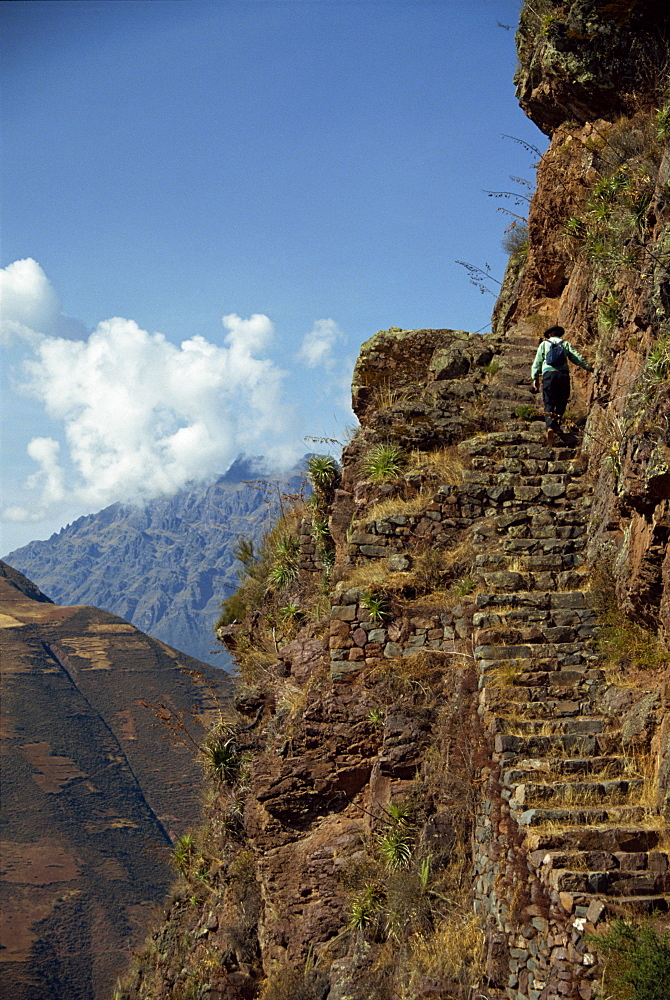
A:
92,792
164,565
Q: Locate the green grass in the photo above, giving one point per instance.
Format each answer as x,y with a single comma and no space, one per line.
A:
636,961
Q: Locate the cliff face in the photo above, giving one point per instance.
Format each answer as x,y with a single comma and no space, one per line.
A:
457,771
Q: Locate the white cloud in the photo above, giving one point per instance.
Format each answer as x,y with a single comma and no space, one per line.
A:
49,478
317,345
29,304
142,417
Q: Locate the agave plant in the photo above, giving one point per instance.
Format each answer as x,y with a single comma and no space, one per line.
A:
222,759
323,472
383,463
395,847
366,906
184,853
376,606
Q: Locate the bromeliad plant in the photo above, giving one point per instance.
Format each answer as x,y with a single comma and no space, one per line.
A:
384,463
324,475
376,606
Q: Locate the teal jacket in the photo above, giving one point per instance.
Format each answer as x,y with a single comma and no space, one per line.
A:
540,366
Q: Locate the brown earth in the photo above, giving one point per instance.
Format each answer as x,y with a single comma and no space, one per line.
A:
92,791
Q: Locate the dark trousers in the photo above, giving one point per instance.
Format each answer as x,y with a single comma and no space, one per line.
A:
555,394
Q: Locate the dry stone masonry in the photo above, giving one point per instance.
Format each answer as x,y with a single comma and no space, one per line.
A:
565,836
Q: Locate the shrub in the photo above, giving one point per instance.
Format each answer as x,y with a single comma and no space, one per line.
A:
657,367
286,551
465,586
395,847
609,310
293,984
637,961
184,854
383,463
515,240
526,412
221,757
233,609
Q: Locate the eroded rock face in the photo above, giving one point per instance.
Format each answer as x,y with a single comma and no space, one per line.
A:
400,364
581,61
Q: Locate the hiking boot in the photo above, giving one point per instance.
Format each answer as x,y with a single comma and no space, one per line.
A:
551,437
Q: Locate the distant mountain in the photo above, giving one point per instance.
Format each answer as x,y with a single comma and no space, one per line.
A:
165,565
92,791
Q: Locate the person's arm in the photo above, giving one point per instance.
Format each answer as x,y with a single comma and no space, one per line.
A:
576,357
536,369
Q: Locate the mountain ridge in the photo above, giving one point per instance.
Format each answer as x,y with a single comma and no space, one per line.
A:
164,565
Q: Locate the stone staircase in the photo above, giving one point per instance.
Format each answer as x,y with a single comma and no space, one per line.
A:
574,806
567,834
511,386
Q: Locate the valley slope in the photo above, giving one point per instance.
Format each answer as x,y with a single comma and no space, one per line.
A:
92,792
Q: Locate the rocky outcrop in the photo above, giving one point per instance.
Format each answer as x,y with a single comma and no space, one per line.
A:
589,59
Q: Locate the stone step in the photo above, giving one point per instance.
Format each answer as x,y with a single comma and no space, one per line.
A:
577,725
507,745
536,768
564,684
481,477
539,650
547,601
610,883
549,561
542,623
535,634
512,583
598,861
554,546
522,699
598,837
579,816
530,471
637,905
563,792
511,393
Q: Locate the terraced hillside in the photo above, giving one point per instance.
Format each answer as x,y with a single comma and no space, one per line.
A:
92,792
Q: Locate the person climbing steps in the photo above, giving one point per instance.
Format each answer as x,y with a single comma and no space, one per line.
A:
551,364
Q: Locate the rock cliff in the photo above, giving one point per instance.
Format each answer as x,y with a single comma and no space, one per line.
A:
455,780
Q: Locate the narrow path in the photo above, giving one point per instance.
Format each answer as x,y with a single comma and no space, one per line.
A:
574,808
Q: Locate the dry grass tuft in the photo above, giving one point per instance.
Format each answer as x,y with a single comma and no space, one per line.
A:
396,505
454,951
446,464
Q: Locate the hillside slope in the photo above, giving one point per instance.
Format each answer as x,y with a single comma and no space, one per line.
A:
92,792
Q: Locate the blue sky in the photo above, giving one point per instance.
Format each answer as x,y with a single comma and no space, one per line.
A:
309,170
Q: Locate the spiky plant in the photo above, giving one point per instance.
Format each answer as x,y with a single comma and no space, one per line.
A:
222,758
383,463
323,472
376,606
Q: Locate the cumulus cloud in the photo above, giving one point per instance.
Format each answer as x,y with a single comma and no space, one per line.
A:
142,416
317,348
29,304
